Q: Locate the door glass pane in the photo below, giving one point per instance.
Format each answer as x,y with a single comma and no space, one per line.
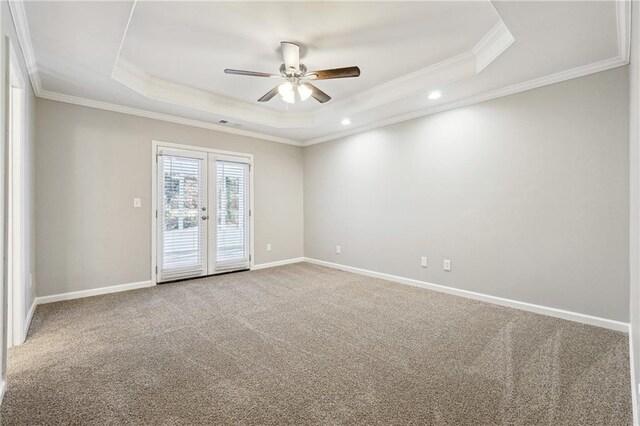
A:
232,215
182,228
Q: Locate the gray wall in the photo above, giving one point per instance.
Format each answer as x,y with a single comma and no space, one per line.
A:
634,182
29,162
92,163
528,195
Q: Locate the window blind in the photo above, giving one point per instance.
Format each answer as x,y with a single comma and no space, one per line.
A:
182,231
232,202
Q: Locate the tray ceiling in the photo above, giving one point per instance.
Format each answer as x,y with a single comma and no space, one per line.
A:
166,59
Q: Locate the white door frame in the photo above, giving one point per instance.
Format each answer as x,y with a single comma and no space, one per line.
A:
155,144
15,198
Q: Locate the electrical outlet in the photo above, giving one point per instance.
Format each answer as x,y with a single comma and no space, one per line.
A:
269,247
423,261
447,264
337,249
137,203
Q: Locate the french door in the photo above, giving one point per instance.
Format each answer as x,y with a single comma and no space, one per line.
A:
202,213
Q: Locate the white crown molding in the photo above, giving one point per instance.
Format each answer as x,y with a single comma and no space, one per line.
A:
76,100
623,20
19,16
465,65
24,39
124,34
493,94
167,91
496,41
623,17
483,50
516,304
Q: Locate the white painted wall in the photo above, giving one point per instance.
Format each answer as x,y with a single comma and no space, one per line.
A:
634,194
29,161
528,195
92,164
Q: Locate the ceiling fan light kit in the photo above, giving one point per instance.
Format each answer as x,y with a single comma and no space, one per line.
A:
297,85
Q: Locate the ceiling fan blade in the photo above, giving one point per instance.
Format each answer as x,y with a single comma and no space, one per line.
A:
269,95
318,94
334,73
291,54
249,73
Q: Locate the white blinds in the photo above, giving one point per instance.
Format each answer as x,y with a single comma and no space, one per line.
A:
182,230
232,222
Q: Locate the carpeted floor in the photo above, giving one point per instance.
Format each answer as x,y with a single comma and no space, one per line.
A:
303,344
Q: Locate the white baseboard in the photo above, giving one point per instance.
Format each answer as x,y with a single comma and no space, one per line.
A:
27,321
3,387
278,263
132,286
92,292
539,309
544,310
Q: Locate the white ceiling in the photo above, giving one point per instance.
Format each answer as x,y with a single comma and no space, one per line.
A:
199,40
166,59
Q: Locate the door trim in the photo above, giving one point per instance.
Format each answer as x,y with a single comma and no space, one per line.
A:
15,193
155,144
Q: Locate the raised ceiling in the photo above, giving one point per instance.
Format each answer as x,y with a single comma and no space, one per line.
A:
166,59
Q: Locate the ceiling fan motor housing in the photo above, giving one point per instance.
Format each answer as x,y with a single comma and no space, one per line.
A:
292,72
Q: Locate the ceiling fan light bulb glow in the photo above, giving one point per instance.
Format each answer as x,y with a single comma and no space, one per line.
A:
287,92
304,91
289,98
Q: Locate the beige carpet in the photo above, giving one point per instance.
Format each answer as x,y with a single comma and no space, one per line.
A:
303,344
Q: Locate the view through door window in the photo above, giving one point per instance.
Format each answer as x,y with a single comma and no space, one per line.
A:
182,201
232,215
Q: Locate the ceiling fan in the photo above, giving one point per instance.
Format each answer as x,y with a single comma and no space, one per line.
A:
297,84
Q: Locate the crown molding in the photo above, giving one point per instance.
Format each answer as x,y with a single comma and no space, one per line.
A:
465,65
493,94
496,41
167,91
19,17
487,47
76,100
623,18
436,76
124,33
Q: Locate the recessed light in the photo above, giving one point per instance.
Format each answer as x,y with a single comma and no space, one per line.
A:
436,94
345,121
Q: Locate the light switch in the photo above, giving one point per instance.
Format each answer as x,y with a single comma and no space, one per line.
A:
137,203
269,247
447,264
423,261
337,249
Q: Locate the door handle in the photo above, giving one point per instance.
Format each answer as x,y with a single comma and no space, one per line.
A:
204,217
